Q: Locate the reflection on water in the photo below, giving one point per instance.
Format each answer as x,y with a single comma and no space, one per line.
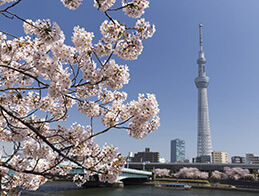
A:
69,189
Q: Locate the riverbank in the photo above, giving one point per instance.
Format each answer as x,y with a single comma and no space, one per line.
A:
205,184
62,188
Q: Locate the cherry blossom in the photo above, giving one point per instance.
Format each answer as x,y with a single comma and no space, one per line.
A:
82,39
46,31
104,4
129,49
135,8
239,174
112,31
102,48
5,1
144,29
191,172
71,4
162,172
218,175
42,78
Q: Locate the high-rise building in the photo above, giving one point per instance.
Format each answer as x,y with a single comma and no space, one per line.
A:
204,146
177,150
219,157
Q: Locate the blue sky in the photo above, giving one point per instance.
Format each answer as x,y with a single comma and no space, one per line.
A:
167,68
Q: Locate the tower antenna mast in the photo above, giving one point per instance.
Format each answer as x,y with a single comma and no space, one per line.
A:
201,41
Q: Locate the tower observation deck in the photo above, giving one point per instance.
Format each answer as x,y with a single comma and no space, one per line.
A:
204,146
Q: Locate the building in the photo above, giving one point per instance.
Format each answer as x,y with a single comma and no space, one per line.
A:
219,157
202,159
252,159
238,159
147,156
177,150
204,146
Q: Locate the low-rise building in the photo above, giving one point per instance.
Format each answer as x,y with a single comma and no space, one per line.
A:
238,159
252,159
202,159
219,157
147,156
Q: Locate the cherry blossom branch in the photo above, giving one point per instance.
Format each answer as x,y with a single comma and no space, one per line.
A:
9,34
11,6
15,151
46,175
119,8
22,88
44,139
27,74
102,132
107,129
15,16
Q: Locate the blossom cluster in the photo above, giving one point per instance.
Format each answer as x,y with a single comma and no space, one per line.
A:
135,8
144,29
103,48
143,110
112,31
104,4
228,173
44,30
191,172
239,174
82,40
162,172
129,49
117,75
71,4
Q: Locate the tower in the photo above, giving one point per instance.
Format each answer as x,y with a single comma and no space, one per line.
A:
204,146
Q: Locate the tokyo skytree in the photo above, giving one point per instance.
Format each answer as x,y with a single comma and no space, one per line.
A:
204,146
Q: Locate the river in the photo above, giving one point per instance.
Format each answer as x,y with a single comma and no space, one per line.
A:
68,189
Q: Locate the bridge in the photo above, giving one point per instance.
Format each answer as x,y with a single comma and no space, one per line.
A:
127,176
133,176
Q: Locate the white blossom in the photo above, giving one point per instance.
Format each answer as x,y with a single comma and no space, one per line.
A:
46,31
144,29
104,4
129,49
112,31
135,8
6,1
71,4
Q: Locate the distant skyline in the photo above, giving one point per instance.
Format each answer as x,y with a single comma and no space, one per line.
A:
167,68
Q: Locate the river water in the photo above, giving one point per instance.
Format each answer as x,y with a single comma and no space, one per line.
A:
68,189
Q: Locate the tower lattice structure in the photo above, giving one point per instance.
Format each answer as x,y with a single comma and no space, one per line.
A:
204,146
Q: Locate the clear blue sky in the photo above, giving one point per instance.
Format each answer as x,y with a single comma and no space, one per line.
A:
167,68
